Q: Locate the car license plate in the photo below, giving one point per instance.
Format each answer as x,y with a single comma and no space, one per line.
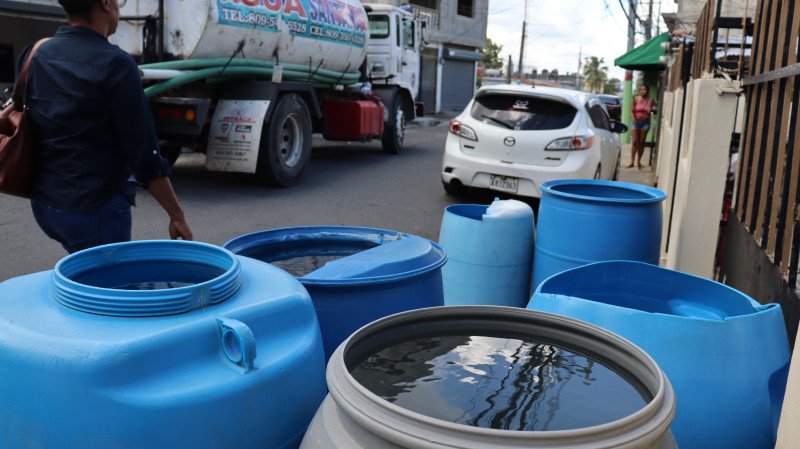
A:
503,183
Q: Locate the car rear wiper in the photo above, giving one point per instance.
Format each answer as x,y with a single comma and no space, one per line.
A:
498,121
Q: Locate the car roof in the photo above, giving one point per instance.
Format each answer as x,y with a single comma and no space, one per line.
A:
575,97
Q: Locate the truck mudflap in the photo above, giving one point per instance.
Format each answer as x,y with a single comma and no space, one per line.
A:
235,135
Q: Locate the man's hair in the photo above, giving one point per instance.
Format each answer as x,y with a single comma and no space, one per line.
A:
78,8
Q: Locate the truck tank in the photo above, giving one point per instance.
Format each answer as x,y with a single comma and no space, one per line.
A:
331,34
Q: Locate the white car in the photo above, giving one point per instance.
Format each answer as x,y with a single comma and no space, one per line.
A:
512,138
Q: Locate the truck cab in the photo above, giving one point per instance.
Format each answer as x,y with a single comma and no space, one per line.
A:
393,50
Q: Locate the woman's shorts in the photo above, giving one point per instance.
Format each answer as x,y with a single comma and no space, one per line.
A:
642,124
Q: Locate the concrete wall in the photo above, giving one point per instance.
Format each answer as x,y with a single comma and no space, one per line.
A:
702,171
689,10
669,139
453,29
789,428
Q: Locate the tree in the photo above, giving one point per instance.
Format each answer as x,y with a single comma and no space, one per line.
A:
491,55
612,86
554,74
595,73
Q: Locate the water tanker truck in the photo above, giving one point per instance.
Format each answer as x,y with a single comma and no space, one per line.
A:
247,82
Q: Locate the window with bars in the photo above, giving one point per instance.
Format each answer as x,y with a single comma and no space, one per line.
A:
466,8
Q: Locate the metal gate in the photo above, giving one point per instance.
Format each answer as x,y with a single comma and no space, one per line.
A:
769,191
427,81
458,84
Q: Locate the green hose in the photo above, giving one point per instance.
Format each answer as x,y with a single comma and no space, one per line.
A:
223,67
193,64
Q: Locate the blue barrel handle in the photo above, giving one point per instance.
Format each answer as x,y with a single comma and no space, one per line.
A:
238,342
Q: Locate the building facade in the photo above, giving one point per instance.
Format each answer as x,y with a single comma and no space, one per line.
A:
23,22
689,12
455,32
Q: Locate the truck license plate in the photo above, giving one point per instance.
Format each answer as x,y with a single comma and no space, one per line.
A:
503,183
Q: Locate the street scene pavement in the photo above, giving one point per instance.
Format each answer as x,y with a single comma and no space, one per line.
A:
651,306
350,184
346,184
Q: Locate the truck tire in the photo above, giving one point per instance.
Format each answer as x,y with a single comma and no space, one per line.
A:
285,147
394,130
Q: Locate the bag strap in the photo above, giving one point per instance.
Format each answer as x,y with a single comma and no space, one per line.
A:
22,80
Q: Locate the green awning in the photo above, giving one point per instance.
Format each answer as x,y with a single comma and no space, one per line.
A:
644,57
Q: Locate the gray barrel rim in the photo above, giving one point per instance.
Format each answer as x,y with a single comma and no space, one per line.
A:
416,431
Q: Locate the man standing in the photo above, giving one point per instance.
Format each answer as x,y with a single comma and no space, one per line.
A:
95,135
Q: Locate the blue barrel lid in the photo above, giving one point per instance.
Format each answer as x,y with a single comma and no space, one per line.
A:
392,256
600,190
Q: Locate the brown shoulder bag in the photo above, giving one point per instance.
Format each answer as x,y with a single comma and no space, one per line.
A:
17,140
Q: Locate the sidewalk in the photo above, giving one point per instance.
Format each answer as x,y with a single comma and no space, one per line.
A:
633,175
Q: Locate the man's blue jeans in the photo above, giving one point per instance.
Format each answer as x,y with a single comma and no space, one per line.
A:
78,230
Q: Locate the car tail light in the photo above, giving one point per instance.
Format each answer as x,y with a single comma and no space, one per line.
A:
571,143
176,113
462,130
190,115
163,113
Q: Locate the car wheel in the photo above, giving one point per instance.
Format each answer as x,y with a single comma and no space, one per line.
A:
453,189
597,173
395,127
286,146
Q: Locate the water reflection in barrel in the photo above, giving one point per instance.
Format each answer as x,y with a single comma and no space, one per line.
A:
499,383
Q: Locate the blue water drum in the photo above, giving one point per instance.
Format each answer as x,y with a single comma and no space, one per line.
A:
354,275
489,251
158,345
583,221
726,355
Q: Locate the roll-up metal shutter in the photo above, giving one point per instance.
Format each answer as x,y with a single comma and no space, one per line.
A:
458,84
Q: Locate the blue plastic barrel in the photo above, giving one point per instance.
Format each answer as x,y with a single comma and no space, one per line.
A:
489,251
159,345
726,355
354,275
583,221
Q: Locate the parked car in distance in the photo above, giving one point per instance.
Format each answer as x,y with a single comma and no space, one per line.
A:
613,105
512,138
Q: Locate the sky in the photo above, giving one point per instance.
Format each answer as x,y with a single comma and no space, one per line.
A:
558,29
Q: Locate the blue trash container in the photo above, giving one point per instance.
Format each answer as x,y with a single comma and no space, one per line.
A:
354,275
726,355
584,220
489,252
159,345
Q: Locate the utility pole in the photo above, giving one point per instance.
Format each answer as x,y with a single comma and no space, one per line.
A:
648,30
580,66
522,43
510,68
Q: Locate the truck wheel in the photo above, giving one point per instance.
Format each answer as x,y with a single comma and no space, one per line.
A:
170,152
286,143
395,127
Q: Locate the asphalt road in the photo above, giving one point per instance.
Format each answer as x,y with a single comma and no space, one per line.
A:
346,184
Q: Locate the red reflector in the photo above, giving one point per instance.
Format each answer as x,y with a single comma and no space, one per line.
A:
577,142
176,113
455,127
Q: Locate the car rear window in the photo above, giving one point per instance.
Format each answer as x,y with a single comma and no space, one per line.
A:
611,101
522,112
